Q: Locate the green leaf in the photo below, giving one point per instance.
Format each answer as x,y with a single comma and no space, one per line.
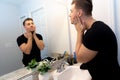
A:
32,64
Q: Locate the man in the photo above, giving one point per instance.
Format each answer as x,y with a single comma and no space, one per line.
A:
96,45
30,43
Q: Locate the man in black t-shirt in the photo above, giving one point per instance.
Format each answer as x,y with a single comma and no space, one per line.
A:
30,43
96,45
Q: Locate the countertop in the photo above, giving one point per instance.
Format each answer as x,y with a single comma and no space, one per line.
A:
15,75
25,74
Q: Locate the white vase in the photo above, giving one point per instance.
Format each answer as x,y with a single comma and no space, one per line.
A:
45,76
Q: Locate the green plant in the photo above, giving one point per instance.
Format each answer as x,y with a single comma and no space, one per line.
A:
42,66
32,64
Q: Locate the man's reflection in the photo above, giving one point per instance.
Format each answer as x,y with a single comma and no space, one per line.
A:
30,43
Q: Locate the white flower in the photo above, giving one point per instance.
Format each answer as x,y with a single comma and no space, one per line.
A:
43,66
40,63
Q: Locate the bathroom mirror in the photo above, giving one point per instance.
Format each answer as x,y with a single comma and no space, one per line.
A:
51,20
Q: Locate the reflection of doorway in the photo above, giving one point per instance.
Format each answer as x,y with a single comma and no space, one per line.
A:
21,23
40,22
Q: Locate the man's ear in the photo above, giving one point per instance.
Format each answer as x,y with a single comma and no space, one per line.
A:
80,12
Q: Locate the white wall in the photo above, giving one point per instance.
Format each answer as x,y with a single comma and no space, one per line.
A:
10,57
117,24
104,10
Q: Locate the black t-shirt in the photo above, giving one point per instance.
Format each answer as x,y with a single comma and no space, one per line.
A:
105,64
35,52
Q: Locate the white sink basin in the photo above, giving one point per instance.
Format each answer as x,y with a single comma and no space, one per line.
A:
72,73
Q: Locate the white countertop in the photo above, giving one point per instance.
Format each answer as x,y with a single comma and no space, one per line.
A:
15,75
26,74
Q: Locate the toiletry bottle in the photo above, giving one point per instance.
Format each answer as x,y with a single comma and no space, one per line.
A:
75,60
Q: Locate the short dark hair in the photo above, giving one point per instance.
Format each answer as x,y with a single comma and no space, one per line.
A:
85,5
27,19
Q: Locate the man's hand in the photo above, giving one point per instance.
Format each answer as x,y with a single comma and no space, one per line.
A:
29,35
79,24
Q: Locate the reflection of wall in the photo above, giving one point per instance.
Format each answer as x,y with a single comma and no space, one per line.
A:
57,27
39,17
10,55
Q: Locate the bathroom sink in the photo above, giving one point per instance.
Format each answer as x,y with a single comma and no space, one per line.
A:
72,73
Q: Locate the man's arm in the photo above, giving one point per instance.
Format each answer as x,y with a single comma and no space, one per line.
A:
26,47
83,54
79,41
39,43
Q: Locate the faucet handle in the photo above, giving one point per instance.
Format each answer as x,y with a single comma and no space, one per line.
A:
62,66
66,63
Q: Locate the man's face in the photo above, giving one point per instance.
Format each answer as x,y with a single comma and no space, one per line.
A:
29,26
73,13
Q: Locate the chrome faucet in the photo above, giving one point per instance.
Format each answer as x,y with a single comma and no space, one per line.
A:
61,67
